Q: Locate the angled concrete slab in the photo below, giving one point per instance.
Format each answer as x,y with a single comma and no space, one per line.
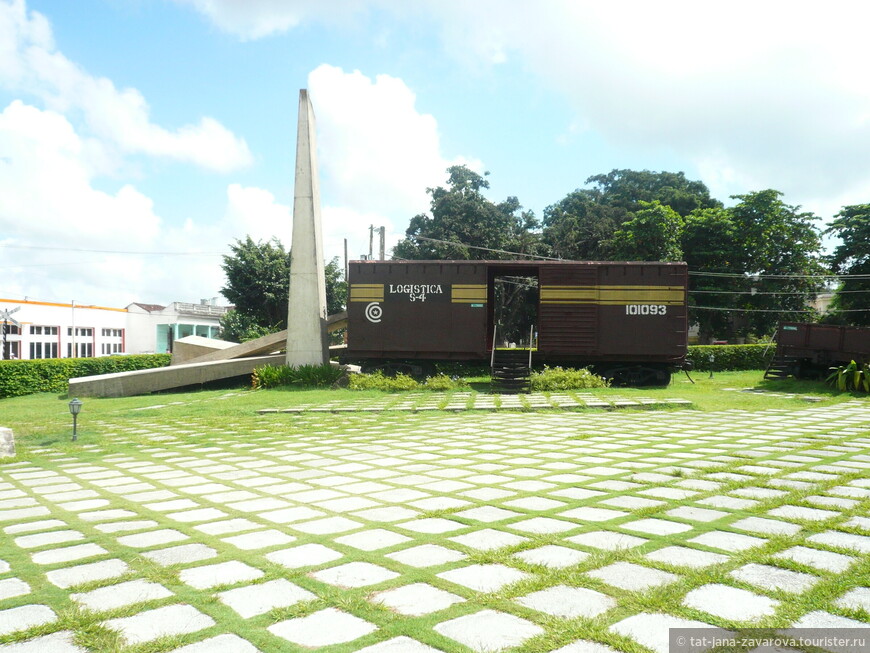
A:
140,382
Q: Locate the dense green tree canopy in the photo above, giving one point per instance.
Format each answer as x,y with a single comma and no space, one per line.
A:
461,214
582,225
768,255
852,257
653,234
258,285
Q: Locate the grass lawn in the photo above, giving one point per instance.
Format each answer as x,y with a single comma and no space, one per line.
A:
191,520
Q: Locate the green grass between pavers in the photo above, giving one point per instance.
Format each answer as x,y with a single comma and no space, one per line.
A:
216,420
44,419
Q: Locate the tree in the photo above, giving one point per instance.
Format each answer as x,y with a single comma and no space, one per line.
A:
258,286
852,257
759,259
582,225
579,227
653,234
461,214
628,188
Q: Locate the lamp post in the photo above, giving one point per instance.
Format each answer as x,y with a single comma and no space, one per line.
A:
75,407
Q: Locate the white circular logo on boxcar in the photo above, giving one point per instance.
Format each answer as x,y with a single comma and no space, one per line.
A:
374,312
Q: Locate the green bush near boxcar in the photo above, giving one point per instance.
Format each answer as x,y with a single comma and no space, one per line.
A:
18,378
732,358
400,382
565,378
307,376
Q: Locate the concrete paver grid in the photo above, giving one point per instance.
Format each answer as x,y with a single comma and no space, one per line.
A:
404,501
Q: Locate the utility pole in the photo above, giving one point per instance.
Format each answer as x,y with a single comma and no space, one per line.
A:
382,252
6,314
345,259
371,241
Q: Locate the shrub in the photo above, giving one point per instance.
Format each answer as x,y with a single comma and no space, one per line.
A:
276,376
851,377
378,381
24,377
559,378
442,382
727,358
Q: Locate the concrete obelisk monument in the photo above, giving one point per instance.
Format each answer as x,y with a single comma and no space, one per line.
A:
306,318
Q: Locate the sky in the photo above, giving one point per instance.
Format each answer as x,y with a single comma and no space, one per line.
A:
139,139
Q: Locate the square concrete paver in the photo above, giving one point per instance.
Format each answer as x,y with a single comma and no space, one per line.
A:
426,555
766,526
607,540
568,602
682,556
543,525
12,587
728,541
799,512
252,600
354,574
67,554
774,578
484,578
71,576
416,599
399,644
552,555
60,642
817,558
656,527
730,603
307,555
653,630
222,573
488,539
691,513
152,538
180,555
220,644
24,617
588,513
372,540
151,624
323,628
855,599
860,543
116,596
259,539
629,576
489,631
44,539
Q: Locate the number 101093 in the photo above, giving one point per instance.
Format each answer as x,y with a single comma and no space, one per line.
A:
646,309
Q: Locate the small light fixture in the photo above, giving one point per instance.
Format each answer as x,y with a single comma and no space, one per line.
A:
75,407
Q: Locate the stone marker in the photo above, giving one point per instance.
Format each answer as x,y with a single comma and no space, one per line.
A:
306,319
7,442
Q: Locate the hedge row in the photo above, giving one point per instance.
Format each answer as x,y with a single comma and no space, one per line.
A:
731,357
26,377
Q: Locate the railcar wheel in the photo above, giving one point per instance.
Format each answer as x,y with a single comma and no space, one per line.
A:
636,376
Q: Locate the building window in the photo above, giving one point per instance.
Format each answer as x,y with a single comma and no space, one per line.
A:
81,331
11,329
37,330
43,350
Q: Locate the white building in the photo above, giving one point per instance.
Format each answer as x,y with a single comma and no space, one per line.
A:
56,330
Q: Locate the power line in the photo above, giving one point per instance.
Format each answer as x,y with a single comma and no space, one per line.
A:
486,249
109,251
755,277
775,310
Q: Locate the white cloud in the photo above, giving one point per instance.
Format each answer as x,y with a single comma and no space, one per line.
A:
254,19
30,63
767,94
377,153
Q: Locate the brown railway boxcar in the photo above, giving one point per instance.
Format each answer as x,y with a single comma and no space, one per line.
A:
808,350
626,319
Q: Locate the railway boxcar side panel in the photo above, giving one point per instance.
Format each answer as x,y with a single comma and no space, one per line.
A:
823,344
614,311
423,310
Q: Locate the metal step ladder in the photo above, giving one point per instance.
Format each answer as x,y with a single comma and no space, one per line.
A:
511,369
